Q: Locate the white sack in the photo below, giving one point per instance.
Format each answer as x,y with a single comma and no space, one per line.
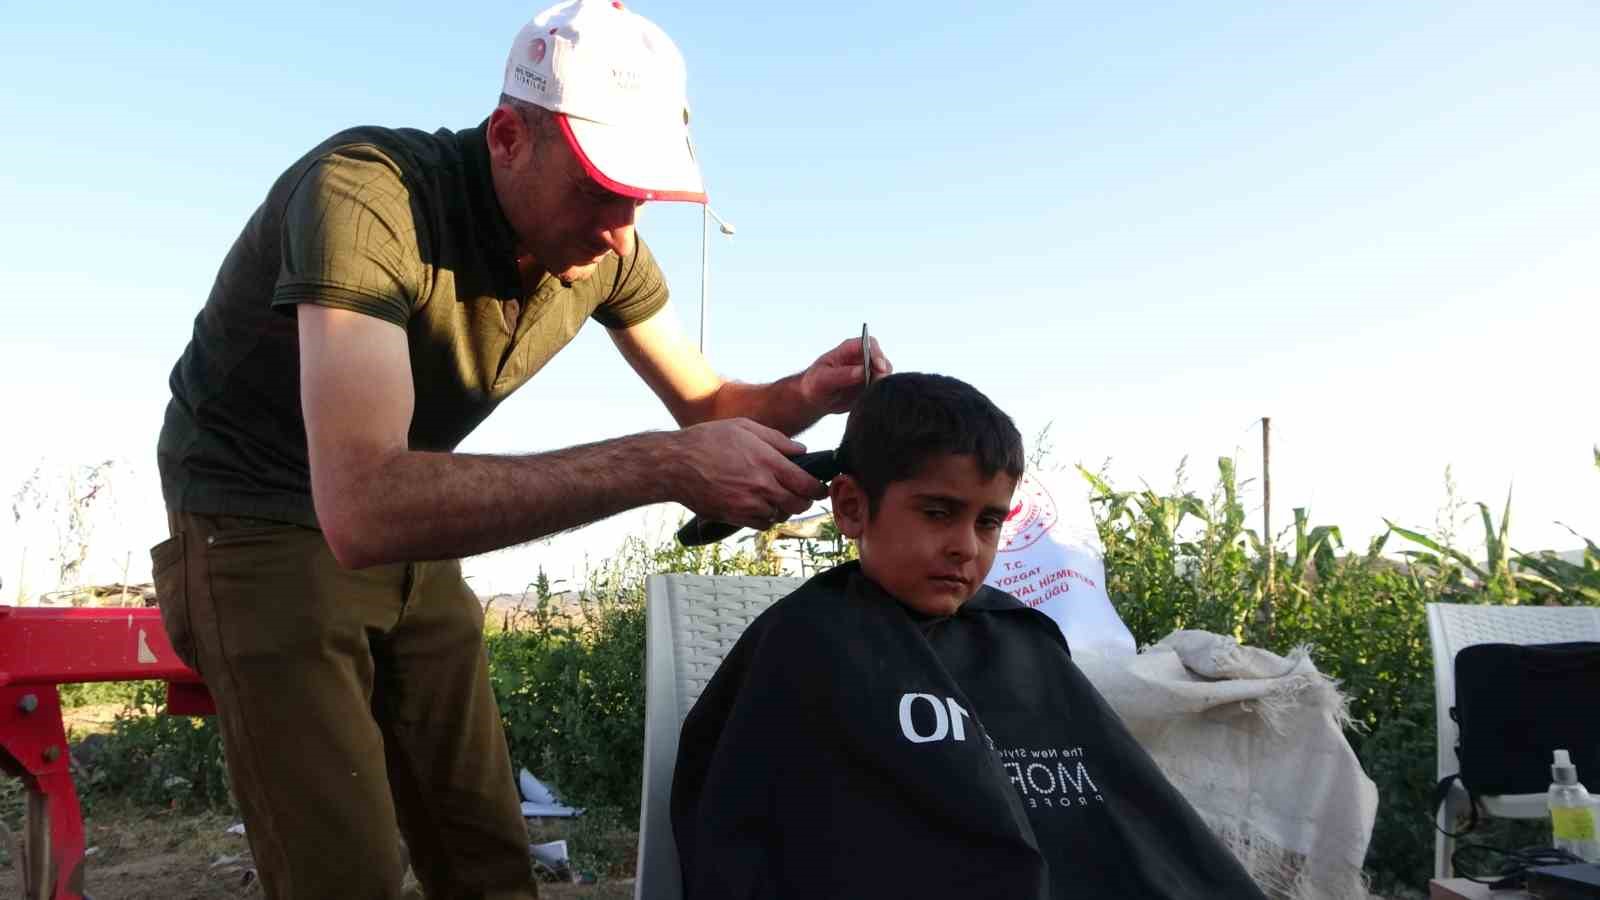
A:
1051,558
1255,742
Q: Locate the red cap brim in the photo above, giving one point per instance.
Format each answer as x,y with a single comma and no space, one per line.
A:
645,166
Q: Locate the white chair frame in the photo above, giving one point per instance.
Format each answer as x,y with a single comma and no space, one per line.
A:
691,622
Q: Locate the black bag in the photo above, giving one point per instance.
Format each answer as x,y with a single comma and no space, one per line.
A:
1515,706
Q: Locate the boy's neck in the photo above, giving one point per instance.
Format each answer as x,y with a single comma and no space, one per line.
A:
916,614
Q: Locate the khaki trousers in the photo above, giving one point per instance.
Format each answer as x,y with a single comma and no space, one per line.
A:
354,707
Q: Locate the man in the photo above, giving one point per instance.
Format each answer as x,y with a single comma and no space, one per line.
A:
392,289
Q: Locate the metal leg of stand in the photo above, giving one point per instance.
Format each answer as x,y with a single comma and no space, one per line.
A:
33,747
36,848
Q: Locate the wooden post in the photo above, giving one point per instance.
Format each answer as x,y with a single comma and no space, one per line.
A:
1264,616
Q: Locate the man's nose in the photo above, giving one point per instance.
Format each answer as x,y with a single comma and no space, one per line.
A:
618,234
619,239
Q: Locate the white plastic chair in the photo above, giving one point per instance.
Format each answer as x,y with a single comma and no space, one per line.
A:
1452,626
691,622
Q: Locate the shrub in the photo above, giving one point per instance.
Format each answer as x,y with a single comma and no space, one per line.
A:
154,759
96,693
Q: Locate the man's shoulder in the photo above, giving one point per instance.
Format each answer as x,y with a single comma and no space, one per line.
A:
406,148
377,162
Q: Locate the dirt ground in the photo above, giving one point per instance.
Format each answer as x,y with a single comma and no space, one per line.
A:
164,855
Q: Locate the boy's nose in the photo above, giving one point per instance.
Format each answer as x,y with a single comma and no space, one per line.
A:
963,546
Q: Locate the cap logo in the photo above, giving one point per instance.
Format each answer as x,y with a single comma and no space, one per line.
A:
530,79
536,50
626,79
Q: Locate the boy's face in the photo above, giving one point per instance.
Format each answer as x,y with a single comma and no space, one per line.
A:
934,536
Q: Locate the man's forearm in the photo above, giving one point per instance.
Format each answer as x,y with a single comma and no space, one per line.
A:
779,405
420,506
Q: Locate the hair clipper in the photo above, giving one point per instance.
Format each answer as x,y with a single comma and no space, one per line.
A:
822,465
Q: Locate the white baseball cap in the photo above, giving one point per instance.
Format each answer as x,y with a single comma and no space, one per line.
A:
618,86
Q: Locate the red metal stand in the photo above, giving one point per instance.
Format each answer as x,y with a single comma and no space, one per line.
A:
41,648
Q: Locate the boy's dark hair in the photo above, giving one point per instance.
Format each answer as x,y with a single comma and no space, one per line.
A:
907,418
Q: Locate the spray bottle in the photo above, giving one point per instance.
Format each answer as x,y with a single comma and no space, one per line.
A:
1571,814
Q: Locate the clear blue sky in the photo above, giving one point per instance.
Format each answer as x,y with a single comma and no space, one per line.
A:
1148,223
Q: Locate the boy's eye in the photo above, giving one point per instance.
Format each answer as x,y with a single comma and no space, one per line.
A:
936,512
989,523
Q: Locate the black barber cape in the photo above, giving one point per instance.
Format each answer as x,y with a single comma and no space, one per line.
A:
849,747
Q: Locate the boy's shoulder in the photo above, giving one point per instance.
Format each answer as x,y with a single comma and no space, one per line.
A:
837,608
1015,614
822,604
844,600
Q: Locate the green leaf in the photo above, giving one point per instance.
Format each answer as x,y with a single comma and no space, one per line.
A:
1229,482
1538,580
1302,546
1593,550
1505,530
1420,538
1547,566
1329,534
1096,482
1415,537
1491,541
1254,542
1376,545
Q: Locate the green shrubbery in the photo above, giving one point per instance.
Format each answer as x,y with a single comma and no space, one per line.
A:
152,759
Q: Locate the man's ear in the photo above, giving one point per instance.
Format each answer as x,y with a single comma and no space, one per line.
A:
507,135
849,506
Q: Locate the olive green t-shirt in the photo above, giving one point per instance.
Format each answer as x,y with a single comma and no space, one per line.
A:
398,224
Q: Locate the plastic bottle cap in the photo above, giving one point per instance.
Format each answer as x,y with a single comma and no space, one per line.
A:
1563,771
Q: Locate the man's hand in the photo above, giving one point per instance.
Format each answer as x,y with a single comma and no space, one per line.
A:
667,360
833,382
735,471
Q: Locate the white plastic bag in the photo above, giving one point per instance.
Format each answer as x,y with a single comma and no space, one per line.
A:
1051,558
538,800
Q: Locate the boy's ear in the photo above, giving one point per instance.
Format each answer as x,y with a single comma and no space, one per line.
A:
849,506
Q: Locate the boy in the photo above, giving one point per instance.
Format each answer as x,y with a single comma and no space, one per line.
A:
894,728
